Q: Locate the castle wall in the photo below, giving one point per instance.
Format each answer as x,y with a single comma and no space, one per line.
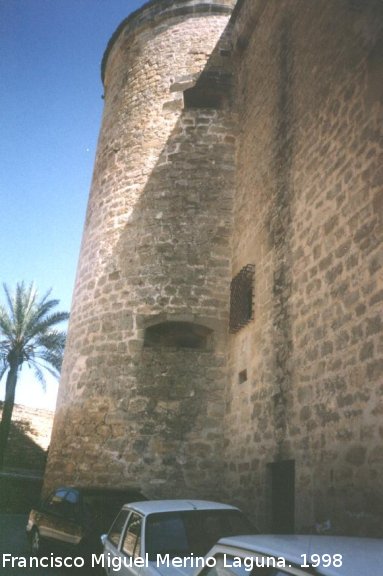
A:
258,143
308,213
141,394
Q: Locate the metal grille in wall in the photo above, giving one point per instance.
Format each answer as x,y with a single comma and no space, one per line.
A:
242,298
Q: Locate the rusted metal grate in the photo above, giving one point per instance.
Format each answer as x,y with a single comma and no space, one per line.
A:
242,298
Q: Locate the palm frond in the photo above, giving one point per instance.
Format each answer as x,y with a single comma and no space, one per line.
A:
4,350
3,368
53,359
21,300
20,304
39,375
45,297
49,348
9,301
41,309
43,365
42,326
6,326
29,302
27,330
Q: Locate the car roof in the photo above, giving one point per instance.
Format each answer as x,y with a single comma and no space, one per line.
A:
360,556
178,505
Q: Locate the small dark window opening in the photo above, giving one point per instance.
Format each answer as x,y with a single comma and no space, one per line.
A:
242,298
202,97
242,376
177,335
212,90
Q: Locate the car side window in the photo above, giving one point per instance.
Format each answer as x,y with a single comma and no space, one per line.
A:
70,505
115,532
72,497
131,545
57,497
54,503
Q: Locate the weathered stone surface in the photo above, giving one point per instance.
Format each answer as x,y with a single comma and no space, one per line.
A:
306,214
156,248
283,173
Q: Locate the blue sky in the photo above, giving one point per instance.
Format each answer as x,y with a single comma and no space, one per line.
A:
50,114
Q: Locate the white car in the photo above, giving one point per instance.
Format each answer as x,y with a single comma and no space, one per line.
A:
159,537
263,555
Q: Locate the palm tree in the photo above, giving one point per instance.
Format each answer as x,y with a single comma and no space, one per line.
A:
27,334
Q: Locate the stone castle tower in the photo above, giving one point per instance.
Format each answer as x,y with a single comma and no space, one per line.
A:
226,332
143,379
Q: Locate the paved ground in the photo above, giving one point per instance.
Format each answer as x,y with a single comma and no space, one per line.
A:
13,541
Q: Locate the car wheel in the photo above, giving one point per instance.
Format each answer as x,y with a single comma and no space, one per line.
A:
35,542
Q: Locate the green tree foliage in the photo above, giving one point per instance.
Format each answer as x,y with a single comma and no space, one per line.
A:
28,334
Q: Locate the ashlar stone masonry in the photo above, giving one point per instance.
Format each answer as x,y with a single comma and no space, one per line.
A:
235,134
143,381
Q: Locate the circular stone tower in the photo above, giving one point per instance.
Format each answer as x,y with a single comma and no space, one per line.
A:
141,396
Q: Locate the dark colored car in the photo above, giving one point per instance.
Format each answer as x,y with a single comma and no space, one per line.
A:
76,517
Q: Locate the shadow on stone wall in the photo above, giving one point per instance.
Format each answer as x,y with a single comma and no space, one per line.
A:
28,440
24,465
161,405
22,451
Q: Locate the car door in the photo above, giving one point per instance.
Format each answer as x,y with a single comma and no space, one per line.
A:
58,518
73,530
112,553
131,545
48,517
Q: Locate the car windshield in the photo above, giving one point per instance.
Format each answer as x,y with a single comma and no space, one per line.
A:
194,531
